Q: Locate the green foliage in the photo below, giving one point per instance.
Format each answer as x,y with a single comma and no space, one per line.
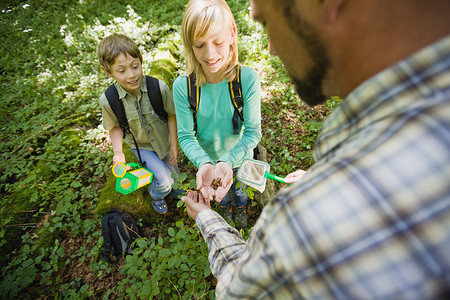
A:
173,265
55,158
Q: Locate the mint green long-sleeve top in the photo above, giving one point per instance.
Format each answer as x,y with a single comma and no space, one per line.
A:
215,140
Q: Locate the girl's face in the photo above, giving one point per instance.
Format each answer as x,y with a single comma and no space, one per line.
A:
212,52
127,70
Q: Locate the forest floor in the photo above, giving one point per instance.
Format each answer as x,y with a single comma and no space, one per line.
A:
81,272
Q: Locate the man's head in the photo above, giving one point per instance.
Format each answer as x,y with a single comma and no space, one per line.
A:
330,47
299,45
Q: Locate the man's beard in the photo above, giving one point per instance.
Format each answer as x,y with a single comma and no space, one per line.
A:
309,88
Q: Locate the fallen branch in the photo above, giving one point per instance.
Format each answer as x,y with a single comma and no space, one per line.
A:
32,225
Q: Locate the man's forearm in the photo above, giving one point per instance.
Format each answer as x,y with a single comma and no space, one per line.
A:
226,245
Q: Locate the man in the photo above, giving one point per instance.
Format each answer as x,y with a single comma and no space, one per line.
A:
370,219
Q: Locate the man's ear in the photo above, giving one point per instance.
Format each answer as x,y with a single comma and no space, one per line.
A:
331,10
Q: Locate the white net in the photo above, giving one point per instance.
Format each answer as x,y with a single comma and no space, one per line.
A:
252,173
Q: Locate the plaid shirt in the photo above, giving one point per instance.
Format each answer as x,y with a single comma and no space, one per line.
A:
371,219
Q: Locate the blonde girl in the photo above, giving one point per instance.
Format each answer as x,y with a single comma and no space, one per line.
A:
210,42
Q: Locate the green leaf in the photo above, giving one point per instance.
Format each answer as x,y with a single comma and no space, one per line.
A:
183,177
75,184
146,288
171,232
192,184
206,272
141,243
27,263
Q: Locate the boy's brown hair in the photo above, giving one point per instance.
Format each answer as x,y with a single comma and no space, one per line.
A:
112,46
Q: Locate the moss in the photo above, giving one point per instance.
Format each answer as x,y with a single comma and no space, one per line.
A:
164,66
138,202
71,138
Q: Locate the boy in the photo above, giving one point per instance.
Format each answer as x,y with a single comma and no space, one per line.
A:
121,59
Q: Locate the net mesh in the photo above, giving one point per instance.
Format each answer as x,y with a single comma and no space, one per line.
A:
252,173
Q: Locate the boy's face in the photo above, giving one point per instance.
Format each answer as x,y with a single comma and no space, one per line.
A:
127,70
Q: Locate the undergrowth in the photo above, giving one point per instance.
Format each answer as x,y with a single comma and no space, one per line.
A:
55,157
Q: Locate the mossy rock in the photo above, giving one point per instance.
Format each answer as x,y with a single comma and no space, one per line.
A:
138,203
71,137
164,66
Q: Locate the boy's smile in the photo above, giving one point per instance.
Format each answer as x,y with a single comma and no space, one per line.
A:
127,71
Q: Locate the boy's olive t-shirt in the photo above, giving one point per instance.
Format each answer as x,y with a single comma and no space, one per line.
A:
156,137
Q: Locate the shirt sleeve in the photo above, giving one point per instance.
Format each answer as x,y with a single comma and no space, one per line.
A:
247,270
109,119
226,245
251,90
167,97
185,125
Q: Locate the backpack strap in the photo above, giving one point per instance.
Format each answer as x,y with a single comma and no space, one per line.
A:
235,89
106,236
154,94
193,97
117,107
130,225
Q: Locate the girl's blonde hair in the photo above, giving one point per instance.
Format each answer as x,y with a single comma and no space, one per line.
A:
202,18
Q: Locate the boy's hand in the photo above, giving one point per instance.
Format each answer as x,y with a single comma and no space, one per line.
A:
225,173
205,176
195,203
174,156
118,157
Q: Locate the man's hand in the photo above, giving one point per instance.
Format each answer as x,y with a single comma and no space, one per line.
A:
195,203
225,173
294,177
205,176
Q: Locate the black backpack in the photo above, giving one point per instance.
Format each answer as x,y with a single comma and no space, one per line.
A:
119,231
154,94
235,89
